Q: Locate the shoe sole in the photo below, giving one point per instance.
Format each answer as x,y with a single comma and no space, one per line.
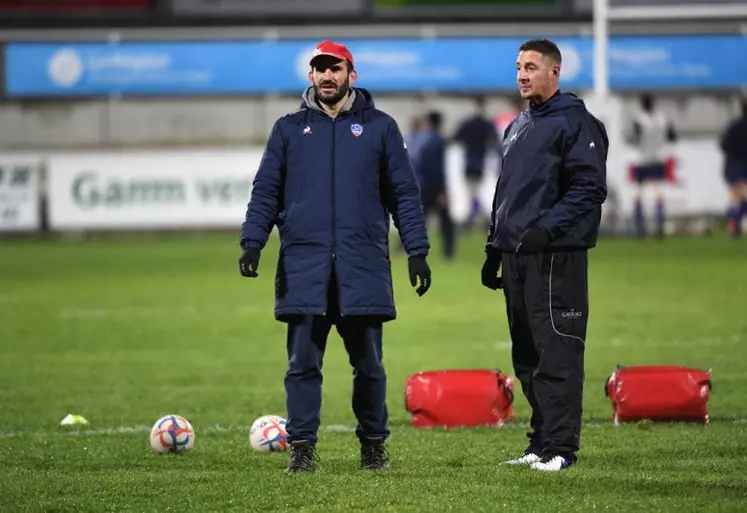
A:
375,469
301,471
545,469
516,463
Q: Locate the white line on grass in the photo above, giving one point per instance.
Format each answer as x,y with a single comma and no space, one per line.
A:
100,313
97,313
217,428
142,428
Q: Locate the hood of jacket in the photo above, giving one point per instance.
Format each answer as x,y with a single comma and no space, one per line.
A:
559,102
570,104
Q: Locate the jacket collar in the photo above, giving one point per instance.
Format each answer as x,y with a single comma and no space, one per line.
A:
309,98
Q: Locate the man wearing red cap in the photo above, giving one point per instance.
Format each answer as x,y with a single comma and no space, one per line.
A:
331,175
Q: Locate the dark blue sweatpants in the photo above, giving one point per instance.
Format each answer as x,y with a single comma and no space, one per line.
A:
306,343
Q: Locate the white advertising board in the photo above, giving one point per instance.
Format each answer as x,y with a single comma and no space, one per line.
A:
19,193
164,189
210,188
701,188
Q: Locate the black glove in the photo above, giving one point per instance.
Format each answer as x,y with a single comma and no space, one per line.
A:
249,262
418,268
533,239
490,268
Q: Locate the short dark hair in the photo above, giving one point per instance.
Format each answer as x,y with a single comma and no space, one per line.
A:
543,46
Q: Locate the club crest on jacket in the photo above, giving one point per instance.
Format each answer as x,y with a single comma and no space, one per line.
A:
356,129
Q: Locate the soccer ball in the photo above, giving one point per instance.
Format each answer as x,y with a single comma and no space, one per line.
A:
172,433
267,434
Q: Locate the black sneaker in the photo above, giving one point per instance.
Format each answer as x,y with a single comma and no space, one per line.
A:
374,455
303,458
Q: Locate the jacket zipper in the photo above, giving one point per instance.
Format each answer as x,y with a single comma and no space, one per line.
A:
334,220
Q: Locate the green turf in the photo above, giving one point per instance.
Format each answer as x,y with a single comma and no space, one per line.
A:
126,329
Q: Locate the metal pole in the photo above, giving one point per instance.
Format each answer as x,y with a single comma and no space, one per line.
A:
601,41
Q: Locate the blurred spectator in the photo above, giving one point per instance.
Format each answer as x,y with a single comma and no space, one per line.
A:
415,139
734,146
478,136
429,161
654,165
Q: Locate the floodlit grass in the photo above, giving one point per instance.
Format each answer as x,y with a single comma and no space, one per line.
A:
126,329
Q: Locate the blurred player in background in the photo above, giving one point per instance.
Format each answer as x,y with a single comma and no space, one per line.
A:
652,133
429,163
417,136
331,174
734,146
546,215
478,137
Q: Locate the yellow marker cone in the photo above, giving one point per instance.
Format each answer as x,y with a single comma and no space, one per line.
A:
74,420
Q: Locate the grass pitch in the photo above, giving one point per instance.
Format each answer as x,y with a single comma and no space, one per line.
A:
126,329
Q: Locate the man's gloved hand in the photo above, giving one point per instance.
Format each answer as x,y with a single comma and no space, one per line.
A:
533,239
490,268
249,262
418,268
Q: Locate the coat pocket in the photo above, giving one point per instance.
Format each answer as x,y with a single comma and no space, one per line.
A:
376,223
285,220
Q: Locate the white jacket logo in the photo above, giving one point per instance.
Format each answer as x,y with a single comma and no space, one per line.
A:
572,314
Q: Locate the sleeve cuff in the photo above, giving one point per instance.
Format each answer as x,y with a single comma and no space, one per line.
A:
547,230
423,253
246,244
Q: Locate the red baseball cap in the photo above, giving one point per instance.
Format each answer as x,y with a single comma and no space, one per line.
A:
328,47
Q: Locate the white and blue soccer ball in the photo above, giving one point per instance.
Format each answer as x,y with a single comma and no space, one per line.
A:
172,433
268,434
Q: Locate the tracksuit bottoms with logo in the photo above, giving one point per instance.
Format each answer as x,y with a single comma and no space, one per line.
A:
548,310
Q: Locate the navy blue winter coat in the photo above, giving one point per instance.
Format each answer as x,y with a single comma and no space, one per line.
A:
330,186
553,174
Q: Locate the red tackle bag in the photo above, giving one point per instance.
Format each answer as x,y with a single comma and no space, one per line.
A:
459,398
659,393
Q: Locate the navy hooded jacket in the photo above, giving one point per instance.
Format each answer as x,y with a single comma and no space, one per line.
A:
330,186
553,175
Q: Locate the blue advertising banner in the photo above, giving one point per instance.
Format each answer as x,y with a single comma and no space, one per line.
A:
456,64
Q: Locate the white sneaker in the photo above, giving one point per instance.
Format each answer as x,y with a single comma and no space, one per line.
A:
527,458
551,464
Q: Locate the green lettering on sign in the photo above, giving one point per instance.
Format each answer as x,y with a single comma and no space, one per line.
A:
91,191
15,176
20,176
224,190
